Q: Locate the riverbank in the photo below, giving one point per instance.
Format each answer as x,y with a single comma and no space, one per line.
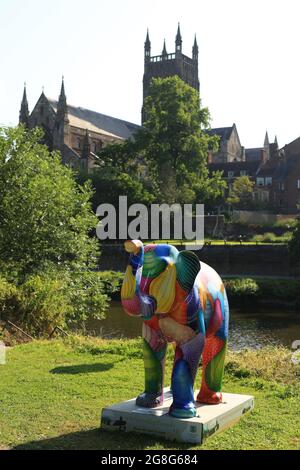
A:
234,260
52,393
247,293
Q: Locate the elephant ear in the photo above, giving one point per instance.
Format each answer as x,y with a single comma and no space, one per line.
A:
162,289
187,268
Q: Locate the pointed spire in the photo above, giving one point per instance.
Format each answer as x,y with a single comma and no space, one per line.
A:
195,49
164,51
266,142
147,42
86,148
62,96
62,108
275,140
147,46
24,111
178,41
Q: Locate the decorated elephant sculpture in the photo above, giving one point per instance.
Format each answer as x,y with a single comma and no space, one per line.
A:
180,300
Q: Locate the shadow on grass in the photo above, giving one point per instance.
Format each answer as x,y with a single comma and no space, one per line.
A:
95,439
82,368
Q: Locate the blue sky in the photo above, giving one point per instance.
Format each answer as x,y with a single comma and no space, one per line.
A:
248,61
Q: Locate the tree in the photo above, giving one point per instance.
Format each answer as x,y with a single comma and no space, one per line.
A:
45,216
241,194
109,184
172,145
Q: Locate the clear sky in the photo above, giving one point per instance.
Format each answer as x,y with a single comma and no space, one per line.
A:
249,58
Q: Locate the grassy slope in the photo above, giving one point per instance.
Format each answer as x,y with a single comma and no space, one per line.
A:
51,395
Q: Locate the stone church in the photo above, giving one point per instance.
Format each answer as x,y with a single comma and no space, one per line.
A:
80,133
76,132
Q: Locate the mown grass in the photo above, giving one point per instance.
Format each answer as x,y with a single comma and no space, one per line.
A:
52,393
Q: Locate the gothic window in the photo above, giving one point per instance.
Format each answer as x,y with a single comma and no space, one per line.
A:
42,110
298,184
243,173
230,174
78,142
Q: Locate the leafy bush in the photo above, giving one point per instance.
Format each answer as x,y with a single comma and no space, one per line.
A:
52,299
87,296
287,224
241,287
274,290
9,298
270,237
45,304
112,281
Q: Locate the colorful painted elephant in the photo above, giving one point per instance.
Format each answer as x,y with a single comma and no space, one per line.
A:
183,301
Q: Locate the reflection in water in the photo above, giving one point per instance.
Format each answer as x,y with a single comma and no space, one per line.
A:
247,330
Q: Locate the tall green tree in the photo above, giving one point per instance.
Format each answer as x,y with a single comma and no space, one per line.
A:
45,216
241,194
172,147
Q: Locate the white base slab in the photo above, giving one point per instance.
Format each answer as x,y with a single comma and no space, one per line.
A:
128,417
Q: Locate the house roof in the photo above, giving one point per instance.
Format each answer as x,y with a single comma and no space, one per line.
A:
223,132
97,122
276,168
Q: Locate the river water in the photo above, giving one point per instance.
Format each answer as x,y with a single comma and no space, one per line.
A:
247,330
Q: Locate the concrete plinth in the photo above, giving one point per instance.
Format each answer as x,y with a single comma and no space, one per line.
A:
127,417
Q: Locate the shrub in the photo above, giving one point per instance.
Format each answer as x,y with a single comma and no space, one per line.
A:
88,297
45,304
112,281
52,299
287,224
270,237
9,298
241,287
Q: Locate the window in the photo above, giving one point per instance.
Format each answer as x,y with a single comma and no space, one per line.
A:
281,186
78,143
298,184
268,181
230,174
243,173
260,181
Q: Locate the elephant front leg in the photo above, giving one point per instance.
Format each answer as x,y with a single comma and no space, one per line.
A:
154,350
187,357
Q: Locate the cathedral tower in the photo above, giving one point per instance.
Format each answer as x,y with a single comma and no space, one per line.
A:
168,65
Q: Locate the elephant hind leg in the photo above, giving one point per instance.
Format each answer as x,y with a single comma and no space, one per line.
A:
213,370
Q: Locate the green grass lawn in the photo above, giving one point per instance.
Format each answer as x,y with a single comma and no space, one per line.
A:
52,393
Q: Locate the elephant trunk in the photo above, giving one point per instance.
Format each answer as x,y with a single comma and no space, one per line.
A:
133,301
